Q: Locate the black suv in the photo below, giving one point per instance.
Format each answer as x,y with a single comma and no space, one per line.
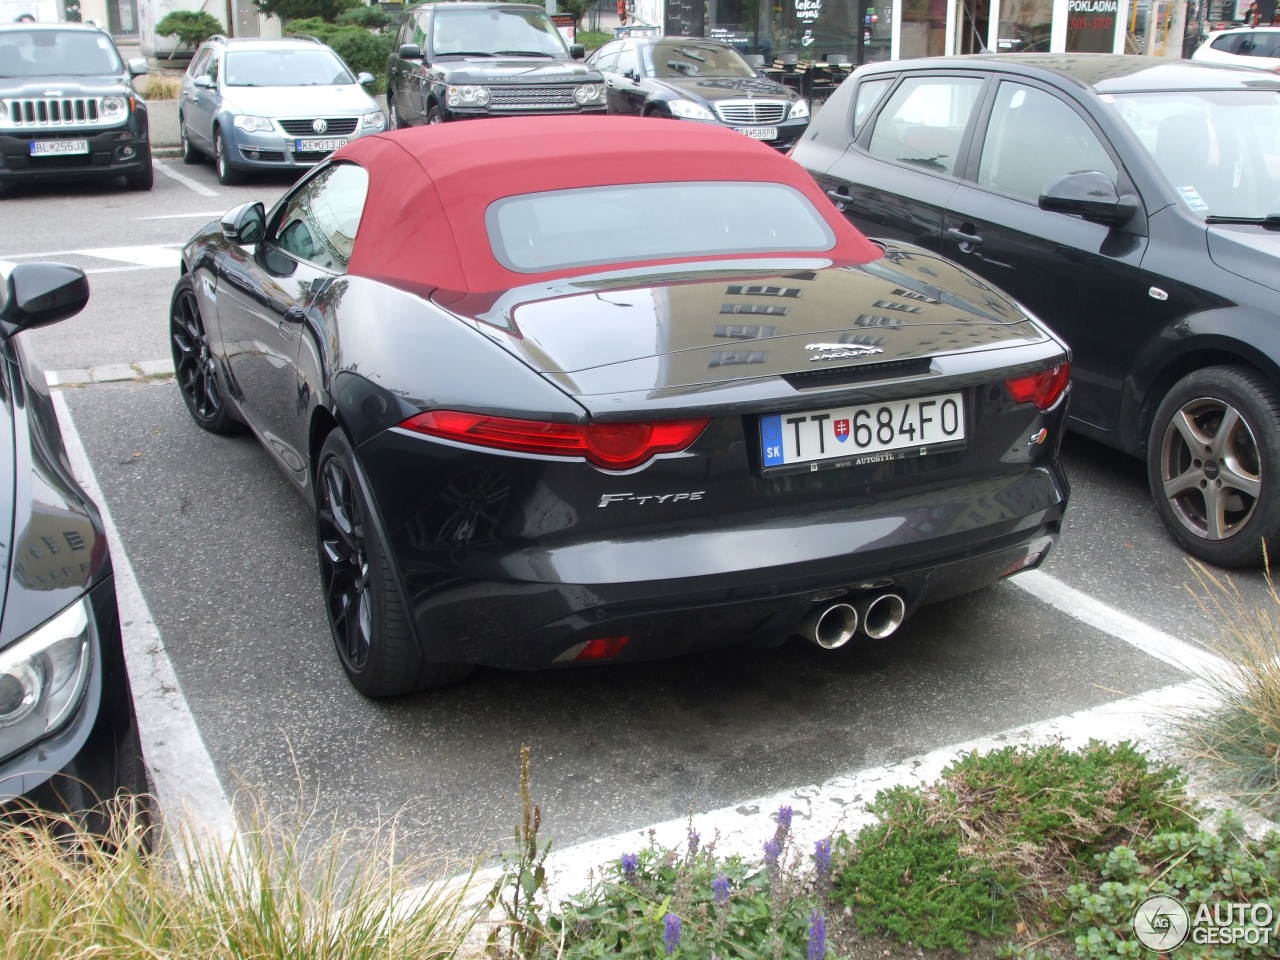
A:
455,61
67,106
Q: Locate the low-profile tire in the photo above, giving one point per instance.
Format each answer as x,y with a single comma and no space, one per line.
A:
190,155
228,175
193,363
1213,462
435,116
367,617
145,178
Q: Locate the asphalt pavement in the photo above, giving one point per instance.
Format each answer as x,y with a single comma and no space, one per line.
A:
223,552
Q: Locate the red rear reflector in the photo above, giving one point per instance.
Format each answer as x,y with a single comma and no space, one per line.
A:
1043,388
604,648
614,446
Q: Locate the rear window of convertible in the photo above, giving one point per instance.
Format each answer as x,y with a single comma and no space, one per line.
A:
633,223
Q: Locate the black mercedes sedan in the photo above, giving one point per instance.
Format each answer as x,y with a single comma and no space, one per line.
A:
68,737
686,78
1134,206
574,390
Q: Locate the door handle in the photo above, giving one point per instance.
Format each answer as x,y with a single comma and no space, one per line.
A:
841,198
963,238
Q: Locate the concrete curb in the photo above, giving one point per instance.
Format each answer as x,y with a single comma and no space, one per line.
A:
110,373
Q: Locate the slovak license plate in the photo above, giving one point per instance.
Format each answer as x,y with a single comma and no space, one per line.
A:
58,148
759,133
866,433
319,144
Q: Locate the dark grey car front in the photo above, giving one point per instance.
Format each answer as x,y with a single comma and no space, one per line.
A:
68,109
68,735
703,81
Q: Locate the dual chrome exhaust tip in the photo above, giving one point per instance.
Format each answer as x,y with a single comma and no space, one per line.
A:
832,626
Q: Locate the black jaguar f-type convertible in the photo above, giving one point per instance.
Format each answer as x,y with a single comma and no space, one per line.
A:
572,390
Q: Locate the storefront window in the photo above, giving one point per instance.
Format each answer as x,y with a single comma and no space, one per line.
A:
1024,26
1091,25
924,28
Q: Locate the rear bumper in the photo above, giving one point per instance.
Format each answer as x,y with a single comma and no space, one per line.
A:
114,153
700,580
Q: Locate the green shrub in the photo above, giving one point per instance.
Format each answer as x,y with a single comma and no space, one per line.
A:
362,50
371,18
327,10
1000,837
191,28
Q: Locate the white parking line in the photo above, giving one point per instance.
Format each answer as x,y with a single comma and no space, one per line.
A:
181,769
155,254
186,181
1177,653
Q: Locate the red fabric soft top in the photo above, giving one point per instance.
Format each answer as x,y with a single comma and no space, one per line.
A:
423,226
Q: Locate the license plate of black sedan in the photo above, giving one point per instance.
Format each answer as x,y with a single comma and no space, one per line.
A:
58,148
866,433
317,145
759,133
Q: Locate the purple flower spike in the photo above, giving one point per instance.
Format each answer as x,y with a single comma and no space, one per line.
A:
721,887
772,850
630,864
822,856
694,840
784,817
817,936
671,938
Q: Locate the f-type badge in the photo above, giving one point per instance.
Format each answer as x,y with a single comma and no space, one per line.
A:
840,351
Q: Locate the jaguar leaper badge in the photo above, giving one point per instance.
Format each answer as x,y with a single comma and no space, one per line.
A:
840,351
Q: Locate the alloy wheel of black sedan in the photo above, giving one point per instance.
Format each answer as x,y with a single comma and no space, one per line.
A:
193,364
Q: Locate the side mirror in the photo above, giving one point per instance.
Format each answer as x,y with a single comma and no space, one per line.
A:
410,51
577,51
205,81
365,78
41,293
631,75
138,66
245,224
1089,194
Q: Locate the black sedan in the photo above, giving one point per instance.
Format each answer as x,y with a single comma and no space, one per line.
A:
574,390
68,738
1132,205
701,80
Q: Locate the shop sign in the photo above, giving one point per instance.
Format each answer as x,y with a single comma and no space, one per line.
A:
1091,25
807,10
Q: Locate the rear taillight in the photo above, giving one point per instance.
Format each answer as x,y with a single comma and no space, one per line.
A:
613,446
1043,388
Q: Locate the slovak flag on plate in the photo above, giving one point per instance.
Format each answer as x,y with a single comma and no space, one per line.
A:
841,428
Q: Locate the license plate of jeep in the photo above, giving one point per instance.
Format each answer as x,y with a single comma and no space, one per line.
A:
319,145
58,148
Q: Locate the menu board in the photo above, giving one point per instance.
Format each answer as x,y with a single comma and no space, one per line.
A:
683,18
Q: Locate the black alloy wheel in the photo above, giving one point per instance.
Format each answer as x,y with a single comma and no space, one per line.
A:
190,155
366,615
228,176
193,362
1213,462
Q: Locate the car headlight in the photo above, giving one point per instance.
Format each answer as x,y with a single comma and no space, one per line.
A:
466,96
373,121
114,108
799,110
4,112
589,93
43,677
690,110
254,124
